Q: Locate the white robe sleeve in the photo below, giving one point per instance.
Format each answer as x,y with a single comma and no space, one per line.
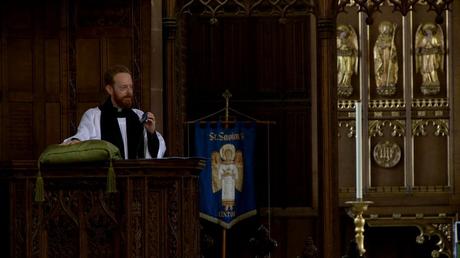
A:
162,146
161,141
89,127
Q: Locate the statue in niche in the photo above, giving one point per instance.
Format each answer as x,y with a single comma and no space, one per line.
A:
429,56
386,59
347,58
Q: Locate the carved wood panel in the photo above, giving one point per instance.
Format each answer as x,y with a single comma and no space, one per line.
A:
153,214
407,144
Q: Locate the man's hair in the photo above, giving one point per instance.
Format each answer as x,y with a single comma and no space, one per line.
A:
112,71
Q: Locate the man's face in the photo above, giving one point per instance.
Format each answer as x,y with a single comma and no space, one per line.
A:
122,90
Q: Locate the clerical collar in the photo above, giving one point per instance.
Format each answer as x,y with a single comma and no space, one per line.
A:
120,112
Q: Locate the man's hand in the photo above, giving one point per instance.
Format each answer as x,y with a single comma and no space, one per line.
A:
150,123
73,141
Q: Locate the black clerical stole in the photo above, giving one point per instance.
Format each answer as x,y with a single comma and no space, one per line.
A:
110,130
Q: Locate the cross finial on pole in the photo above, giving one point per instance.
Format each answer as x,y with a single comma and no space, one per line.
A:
227,95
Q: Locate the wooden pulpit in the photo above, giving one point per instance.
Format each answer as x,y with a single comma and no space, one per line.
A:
154,213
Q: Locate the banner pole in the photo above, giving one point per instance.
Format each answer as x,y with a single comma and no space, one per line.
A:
224,243
227,95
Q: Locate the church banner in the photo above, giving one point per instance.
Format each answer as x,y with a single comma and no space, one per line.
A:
227,181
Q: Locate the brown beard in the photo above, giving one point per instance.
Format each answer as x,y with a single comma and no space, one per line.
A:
123,102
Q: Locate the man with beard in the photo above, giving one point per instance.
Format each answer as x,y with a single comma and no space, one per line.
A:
117,122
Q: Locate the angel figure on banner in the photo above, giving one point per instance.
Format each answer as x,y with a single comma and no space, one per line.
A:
429,56
347,58
227,173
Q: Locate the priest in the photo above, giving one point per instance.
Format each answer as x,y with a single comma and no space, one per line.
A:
116,121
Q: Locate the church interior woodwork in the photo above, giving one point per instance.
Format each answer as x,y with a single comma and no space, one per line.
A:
408,143
152,213
299,65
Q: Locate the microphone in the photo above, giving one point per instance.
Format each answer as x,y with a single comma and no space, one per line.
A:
143,118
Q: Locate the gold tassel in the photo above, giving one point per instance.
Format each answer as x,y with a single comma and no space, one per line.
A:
111,180
39,187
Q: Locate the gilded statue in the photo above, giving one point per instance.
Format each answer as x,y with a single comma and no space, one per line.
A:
386,59
429,56
347,58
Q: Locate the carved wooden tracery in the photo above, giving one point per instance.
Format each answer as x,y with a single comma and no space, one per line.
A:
236,8
369,7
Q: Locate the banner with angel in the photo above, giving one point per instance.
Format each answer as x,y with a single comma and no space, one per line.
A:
227,181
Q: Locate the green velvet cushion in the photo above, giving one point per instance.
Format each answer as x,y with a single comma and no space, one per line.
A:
85,151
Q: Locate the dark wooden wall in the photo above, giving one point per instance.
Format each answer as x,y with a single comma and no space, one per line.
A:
53,56
278,68
51,67
33,86
266,67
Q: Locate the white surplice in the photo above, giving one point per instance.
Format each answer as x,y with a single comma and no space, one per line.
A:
90,129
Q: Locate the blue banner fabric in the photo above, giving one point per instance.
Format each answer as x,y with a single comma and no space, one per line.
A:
227,193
